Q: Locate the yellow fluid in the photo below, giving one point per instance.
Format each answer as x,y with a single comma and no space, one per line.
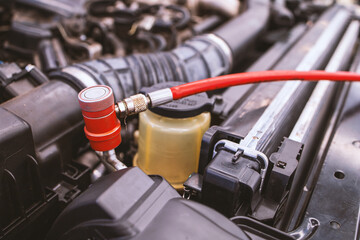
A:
170,147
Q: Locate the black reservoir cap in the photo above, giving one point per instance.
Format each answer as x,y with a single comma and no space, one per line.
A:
183,108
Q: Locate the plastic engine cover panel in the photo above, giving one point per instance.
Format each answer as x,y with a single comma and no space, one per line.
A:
130,204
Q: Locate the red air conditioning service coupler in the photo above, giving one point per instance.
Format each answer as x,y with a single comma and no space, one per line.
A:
102,127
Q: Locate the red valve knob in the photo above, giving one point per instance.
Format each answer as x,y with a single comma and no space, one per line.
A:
102,127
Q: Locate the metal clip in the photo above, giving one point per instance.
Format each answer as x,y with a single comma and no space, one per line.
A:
187,193
247,152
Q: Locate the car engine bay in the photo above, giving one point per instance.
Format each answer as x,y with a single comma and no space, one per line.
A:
101,139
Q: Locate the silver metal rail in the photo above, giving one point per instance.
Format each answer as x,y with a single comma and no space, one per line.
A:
260,135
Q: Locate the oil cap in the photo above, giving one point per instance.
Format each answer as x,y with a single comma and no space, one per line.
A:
102,127
183,108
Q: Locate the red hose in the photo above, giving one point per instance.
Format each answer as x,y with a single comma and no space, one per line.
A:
214,83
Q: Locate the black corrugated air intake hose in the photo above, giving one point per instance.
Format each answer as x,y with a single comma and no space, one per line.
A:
201,57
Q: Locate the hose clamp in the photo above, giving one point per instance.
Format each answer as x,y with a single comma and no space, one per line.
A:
224,48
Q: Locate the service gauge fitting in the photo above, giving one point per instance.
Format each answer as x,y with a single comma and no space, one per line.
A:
102,127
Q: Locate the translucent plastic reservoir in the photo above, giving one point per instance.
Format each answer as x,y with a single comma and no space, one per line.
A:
170,147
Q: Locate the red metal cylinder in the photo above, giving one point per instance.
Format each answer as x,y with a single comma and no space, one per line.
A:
102,127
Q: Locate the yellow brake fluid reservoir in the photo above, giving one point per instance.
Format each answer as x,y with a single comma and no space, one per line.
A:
170,136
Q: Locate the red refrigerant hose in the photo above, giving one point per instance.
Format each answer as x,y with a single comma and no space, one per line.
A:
225,81
103,128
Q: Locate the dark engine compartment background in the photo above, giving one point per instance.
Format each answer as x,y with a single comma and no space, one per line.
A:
53,186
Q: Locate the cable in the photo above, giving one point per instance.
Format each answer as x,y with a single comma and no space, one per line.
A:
225,81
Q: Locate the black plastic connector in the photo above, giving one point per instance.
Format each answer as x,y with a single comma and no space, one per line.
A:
228,186
284,164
